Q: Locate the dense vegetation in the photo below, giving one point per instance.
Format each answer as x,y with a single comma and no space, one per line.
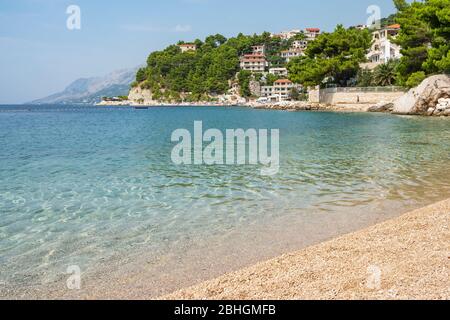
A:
425,41
424,38
333,58
208,70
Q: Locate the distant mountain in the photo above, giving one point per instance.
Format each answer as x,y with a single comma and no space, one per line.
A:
91,90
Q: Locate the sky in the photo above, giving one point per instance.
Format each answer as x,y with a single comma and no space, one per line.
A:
40,56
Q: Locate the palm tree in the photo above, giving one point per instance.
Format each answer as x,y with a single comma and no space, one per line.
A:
386,74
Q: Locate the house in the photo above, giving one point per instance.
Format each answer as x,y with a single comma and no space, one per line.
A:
288,55
281,72
383,49
187,47
286,35
283,88
266,91
254,62
280,91
300,44
312,33
259,49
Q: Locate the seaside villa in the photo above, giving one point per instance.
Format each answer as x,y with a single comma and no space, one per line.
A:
280,91
383,49
254,62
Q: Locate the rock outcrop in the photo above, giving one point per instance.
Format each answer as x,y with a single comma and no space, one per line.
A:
382,107
429,98
137,95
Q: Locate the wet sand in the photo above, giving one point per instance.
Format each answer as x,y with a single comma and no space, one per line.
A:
403,258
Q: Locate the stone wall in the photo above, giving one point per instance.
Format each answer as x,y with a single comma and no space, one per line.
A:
337,96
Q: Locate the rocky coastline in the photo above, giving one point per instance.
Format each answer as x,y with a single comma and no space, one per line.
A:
430,98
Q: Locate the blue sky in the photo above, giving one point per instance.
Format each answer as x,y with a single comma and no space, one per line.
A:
40,56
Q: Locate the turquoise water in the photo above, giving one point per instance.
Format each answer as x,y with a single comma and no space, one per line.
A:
89,186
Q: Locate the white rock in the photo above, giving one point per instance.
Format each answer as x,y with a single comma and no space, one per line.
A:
440,107
430,111
418,100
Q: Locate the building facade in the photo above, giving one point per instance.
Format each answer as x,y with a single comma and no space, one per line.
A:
260,49
300,44
187,47
288,55
254,63
312,33
383,49
286,35
280,72
280,91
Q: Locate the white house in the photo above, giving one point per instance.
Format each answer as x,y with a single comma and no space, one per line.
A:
300,44
254,62
312,33
383,49
288,55
281,72
187,47
280,91
286,35
260,49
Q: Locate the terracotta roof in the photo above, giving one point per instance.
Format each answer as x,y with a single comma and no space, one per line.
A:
393,26
187,45
313,29
283,81
258,55
253,60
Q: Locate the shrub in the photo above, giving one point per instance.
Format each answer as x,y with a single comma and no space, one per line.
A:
415,79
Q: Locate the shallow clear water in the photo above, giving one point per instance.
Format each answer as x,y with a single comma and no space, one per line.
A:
86,186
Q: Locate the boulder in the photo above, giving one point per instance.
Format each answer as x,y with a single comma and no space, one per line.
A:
419,100
382,107
430,111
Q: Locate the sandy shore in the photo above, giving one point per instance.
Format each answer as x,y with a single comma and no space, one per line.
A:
404,258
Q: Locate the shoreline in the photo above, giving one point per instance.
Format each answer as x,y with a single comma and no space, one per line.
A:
411,255
284,106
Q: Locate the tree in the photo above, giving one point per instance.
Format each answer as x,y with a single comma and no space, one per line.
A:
295,95
141,75
364,78
385,74
335,55
424,37
244,78
415,79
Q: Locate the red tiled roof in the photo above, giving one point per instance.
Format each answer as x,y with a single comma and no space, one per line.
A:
394,26
283,81
253,60
313,29
187,45
258,55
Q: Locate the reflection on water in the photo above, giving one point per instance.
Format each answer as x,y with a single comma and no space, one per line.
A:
95,187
